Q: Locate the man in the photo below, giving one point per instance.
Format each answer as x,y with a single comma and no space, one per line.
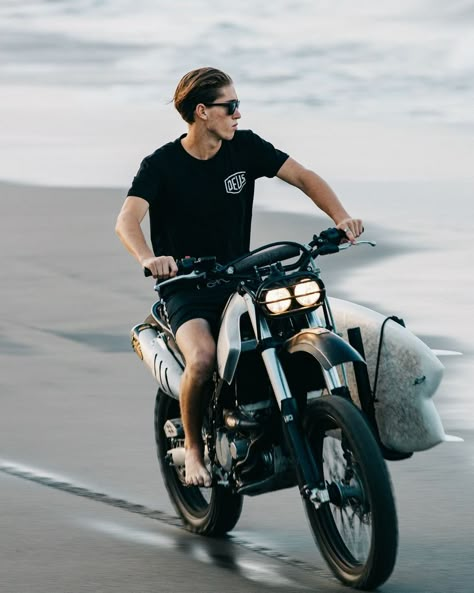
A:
199,193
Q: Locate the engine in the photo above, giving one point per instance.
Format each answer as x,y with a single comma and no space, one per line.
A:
248,451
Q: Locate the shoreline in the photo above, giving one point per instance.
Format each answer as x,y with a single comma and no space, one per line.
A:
87,137
69,284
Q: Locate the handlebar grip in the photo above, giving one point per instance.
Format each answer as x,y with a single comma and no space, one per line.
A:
185,266
333,235
328,249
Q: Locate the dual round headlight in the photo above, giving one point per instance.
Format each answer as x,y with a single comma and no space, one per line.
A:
307,293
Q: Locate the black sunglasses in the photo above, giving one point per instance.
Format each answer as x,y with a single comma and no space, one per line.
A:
232,106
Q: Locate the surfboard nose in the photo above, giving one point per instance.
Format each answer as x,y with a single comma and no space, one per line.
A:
449,438
439,353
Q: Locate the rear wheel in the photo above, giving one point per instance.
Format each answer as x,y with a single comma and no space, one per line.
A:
357,531
208,511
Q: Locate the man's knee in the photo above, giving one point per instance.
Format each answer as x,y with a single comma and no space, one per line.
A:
200,365
199,349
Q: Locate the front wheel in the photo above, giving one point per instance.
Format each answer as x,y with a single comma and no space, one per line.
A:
357,531
207,511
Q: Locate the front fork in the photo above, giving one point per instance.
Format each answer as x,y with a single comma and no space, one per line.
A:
310,478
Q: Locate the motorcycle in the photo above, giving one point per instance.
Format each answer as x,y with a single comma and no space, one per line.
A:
282,410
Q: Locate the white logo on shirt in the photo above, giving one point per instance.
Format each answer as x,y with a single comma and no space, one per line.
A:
235,182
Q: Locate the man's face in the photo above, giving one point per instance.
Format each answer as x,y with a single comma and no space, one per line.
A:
219,121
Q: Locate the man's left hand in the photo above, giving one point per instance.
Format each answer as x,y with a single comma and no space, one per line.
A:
353,228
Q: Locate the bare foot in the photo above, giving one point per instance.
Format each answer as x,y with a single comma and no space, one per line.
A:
195,470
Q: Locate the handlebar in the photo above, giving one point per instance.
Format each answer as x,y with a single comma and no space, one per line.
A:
265,258
328,242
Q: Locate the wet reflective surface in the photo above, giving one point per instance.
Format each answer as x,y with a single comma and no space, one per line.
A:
77,409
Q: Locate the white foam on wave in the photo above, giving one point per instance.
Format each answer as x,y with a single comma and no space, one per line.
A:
412,60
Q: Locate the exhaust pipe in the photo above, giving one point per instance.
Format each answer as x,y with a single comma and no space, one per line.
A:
151,347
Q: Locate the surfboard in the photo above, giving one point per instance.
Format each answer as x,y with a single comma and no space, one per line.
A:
408,377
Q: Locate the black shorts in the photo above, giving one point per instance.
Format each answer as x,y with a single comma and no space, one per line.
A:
186,301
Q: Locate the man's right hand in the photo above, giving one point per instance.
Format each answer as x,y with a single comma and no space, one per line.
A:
162,267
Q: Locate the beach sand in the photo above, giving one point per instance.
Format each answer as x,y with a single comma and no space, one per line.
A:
76,401
67,282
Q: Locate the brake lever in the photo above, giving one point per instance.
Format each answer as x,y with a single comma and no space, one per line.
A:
347,245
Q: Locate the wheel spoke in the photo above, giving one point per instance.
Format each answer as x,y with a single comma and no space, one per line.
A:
351,519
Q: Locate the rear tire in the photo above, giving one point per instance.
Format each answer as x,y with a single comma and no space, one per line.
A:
357,531
207,511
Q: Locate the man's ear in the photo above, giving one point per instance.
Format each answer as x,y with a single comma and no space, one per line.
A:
201,111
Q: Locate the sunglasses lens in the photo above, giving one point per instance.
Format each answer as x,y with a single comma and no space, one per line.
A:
233,106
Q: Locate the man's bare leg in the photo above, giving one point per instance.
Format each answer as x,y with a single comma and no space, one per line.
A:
195,341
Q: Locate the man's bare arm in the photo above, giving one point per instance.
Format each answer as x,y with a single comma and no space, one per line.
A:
321,194
129,230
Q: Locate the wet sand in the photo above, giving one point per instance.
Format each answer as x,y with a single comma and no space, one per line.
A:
77,402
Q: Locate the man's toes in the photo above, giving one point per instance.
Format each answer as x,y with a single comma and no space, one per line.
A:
202,479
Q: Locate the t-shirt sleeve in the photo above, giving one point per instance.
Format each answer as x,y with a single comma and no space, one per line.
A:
266,159
147,181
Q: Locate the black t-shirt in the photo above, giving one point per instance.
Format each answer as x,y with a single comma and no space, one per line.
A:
204,207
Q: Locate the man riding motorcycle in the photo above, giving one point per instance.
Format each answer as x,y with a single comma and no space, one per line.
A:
199,192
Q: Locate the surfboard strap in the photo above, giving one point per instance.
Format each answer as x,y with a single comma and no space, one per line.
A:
379,352
367,397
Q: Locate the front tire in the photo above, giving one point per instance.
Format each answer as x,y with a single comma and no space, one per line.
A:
357,531
207,511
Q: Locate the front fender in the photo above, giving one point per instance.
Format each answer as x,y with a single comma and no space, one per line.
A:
325,346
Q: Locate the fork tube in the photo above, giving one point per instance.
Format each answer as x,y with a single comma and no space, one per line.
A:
276,375
280,386
332,379
309,476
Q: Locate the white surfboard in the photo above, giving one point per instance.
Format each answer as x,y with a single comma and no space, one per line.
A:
408,377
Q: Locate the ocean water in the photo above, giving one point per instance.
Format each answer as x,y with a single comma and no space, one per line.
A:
366,90
409,60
